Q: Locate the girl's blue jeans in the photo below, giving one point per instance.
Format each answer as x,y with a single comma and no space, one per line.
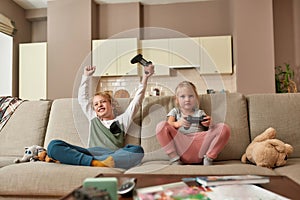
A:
126,157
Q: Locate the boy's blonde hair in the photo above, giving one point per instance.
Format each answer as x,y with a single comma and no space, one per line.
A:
108,96
186,84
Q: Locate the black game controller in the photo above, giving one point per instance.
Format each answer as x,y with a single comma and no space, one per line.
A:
127,187
195,120
139,59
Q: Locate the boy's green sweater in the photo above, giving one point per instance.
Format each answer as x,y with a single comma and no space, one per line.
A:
103,137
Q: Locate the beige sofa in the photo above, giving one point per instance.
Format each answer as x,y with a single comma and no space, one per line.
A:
37,122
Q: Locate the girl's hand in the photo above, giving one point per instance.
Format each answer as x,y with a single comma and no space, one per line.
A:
207,121
89,70
179,123
183,122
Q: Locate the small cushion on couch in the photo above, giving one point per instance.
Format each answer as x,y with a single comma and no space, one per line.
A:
26,127
280,111
66,121
154,110
222,108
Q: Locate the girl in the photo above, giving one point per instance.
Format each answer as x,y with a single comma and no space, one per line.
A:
107,131
187,141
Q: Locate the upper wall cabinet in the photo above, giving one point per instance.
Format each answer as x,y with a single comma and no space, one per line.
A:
216,55
184,52
157,51
112,57
212,55
33,71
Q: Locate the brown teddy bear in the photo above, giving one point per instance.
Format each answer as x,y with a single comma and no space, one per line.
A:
266,151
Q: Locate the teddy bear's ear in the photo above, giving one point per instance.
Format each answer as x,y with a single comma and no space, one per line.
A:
269,133
288,149
278,145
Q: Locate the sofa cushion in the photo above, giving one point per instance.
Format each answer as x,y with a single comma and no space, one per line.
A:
220,167
26,127
68,122
134,132
229,108
7,160
154,110
280,111
46,179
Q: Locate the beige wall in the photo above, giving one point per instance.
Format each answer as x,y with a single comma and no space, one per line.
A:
192,19
69,44
253,46
287,35
296,11
296,18
116,18
39,31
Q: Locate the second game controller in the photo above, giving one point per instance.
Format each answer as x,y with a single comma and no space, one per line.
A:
195,120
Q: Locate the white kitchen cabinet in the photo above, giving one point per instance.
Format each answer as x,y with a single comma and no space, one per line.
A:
216,55
184,52
212,55
157,51
104,57
33,71
112,57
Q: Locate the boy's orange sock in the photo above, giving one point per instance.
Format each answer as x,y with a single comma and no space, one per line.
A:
108,162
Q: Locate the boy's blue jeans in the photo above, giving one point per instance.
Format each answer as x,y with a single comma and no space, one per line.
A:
126,157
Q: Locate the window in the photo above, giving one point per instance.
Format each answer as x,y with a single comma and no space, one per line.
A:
6,52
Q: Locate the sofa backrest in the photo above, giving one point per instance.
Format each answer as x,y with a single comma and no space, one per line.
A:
26,127
280,111
229,108
67,122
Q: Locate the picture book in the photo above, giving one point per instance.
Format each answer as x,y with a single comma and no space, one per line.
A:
241,192
176,191
229,180
182,191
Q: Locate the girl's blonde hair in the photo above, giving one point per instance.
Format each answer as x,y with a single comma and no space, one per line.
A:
189,85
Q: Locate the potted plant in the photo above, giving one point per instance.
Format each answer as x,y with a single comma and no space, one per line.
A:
283,79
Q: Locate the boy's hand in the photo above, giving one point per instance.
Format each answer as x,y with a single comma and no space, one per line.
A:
89,70
150,69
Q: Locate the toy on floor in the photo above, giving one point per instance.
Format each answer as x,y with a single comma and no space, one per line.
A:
266,151
34,153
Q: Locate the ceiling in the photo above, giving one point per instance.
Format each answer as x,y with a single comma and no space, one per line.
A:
37,4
